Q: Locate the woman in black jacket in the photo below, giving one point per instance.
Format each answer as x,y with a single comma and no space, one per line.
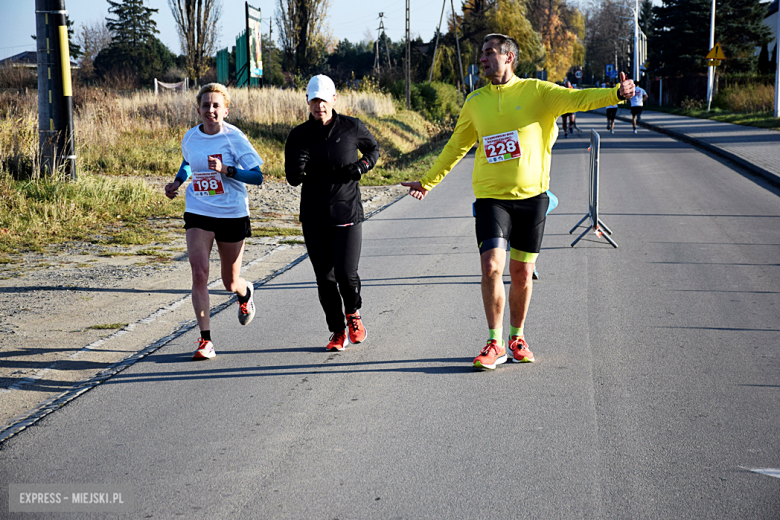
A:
322,154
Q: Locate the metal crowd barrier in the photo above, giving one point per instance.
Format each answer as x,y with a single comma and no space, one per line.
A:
596,224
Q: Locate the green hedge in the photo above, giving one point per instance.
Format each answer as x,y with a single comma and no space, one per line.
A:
436,101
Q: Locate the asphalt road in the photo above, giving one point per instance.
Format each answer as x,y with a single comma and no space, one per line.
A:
655,392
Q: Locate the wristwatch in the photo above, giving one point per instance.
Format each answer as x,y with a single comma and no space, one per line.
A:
231,171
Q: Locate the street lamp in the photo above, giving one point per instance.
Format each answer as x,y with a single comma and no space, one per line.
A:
777,64
635,11
711,68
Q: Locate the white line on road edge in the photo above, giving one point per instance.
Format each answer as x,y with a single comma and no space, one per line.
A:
20,423
45,408
127,329
764,471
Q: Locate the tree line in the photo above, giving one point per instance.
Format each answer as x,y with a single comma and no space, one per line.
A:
554,35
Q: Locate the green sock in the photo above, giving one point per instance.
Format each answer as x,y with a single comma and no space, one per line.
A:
514,331
496,334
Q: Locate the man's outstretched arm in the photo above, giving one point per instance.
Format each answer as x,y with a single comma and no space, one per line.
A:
415,189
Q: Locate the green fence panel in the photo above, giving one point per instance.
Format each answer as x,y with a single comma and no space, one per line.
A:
223,66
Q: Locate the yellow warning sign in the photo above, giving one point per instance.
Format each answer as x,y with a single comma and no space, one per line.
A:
716,53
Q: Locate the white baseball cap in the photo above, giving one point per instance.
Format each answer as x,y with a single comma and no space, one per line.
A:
321,87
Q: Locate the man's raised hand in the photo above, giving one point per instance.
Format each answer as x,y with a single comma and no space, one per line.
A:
626,87
415,189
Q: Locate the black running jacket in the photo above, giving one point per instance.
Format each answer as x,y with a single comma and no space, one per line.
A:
329,196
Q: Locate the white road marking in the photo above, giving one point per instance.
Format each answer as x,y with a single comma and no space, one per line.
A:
129,328
765,471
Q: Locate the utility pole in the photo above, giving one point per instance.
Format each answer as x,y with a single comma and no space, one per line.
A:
380,30
457,46
436,46
55,89
408,61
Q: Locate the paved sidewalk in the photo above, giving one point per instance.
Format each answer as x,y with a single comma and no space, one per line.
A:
756,149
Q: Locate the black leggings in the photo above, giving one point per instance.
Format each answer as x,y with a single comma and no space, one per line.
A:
335,253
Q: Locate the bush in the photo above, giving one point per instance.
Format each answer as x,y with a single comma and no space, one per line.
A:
18,78
691,104
437,101
746,98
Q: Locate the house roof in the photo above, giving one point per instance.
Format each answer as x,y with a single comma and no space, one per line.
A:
772,9
26,58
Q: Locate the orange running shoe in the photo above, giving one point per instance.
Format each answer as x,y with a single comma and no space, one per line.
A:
520,350
205,350
246,311
338,341
357,332
493,354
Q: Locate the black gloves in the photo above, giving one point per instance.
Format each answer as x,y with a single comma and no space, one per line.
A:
353,172
303,158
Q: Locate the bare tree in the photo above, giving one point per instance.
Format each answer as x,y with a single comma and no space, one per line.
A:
92,39
196,22
304,32
606,36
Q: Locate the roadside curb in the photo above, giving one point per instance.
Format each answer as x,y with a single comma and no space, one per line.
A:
772,177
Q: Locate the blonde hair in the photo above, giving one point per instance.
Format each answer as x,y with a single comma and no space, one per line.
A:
214,87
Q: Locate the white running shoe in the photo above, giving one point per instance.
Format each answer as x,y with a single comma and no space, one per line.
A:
205,350
246,311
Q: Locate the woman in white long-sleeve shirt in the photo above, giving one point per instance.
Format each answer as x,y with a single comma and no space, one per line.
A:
220,159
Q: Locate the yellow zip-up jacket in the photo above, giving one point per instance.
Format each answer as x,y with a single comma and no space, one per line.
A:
529,106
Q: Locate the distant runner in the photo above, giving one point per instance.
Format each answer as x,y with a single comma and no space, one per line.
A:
637,101
611,113
220,159
568,120
514,123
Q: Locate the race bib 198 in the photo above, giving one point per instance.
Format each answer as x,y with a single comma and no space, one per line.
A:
502,147
207,184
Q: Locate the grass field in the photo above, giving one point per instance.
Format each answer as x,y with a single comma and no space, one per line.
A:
123,139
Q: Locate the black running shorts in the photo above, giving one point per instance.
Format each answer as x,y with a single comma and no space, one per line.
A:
224,229
636,111
521,222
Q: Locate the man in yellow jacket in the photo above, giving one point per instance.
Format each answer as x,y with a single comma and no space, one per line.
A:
512,120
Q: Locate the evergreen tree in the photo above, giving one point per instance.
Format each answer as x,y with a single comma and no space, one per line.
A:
647,18
133,24
681,37
351,58
134,48
272,63
739,27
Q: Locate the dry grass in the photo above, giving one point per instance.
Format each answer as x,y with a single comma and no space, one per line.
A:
139,135
40,212
747,98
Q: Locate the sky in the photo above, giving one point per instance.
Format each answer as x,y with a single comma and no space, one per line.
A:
348,19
